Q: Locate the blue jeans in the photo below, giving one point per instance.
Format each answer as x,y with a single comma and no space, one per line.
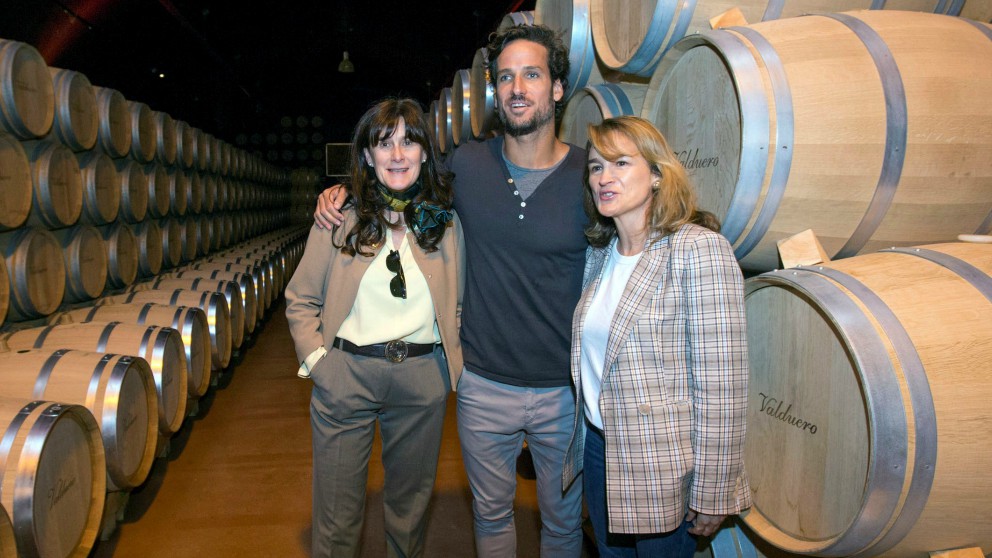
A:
493,421
674,544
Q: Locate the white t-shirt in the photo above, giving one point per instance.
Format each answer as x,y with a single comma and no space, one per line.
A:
596,328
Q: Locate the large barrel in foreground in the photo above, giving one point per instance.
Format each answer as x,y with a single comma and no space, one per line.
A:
851,124
52,478
868,403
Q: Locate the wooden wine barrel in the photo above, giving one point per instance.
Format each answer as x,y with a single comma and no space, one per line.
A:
481,101
150,248
632,37
209,200
53,478
444,110
594,103
868,389
221,231
190,321
134,191
253,313
194,192
215,156
185,149
16,185
178,188
203,234
849,131
143,139
101,188
516,18
85,255
159,196
119,390
161,347
77,118
7,547
172,242
461,109
27,98
222,195
213,305
114,133
122,254
165,138
57,183
188,229
241,313
36,272
202,145
571,19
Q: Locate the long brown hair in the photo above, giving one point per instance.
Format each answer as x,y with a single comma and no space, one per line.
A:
377,124
673,202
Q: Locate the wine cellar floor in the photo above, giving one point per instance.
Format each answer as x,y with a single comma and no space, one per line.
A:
237,479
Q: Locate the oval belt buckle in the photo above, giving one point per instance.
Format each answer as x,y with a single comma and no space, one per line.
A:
396,351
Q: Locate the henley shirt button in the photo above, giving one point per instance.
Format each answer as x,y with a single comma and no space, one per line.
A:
523,204
509,181
516,192
644,409
521,216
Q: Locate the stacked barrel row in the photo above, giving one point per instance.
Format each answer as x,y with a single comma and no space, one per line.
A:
99,190
88,400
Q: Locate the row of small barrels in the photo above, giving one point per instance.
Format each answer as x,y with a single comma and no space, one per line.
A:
45,184
42,269
37,101
87,399
868,127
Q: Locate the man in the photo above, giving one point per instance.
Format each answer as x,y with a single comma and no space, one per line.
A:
519,198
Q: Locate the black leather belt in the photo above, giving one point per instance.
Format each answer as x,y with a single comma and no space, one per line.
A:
393,351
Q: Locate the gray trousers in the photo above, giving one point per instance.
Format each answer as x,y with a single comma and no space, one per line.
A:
350,394
494,419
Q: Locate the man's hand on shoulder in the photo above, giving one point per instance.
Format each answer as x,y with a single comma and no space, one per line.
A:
329,202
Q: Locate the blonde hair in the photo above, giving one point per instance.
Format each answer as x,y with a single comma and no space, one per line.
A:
673,202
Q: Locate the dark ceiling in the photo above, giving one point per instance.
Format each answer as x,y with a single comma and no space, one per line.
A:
237,69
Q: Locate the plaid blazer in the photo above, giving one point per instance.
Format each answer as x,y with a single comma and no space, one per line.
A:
675,384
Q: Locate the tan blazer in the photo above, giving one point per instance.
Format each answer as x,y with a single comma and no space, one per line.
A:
323,288
674,386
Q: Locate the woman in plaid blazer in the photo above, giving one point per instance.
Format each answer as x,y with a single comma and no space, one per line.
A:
659,354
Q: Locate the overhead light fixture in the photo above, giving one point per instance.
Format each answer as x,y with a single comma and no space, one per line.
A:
346,67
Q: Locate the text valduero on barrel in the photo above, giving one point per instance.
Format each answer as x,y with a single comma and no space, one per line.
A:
773,408
690,159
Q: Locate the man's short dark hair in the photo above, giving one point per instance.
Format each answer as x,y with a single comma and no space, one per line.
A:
540,34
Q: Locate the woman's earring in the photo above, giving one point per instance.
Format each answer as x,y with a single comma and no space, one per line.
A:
656,185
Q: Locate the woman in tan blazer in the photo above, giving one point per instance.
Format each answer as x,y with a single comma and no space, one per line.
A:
659,354
373,309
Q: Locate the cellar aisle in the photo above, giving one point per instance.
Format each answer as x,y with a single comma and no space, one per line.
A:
237,479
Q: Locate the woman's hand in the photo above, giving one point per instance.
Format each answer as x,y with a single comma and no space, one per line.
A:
704,525
329,202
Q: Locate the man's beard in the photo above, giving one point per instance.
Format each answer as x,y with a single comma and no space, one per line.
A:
541,118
